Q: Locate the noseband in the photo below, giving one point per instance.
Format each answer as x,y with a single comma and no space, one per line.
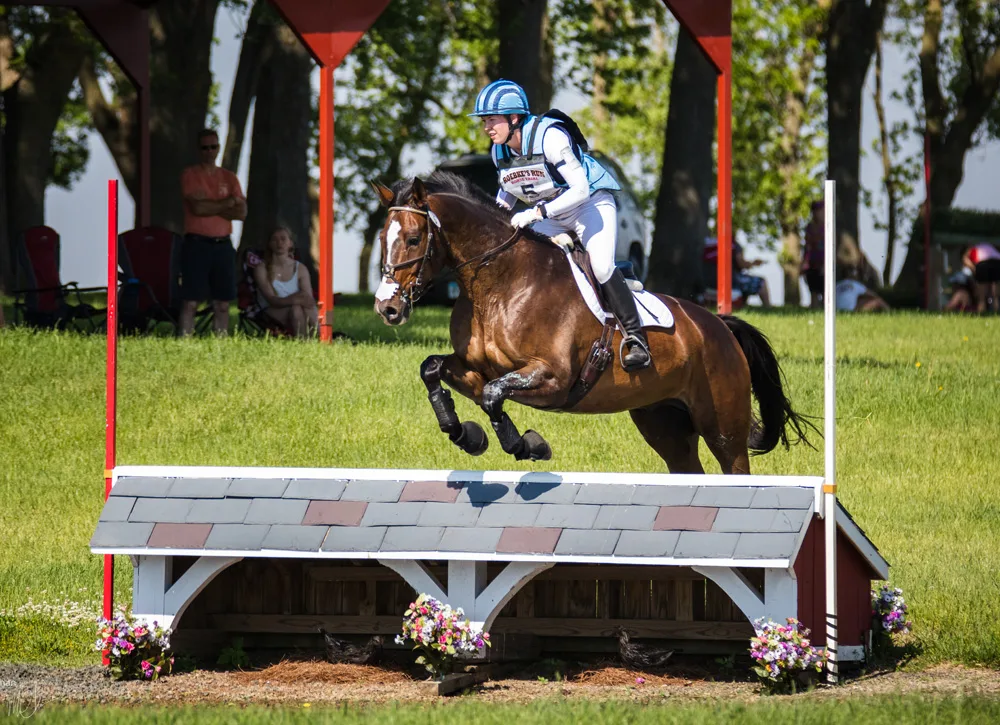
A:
416,288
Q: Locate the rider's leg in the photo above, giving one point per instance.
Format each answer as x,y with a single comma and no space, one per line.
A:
597,227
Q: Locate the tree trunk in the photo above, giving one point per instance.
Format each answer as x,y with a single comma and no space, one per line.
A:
521,26
181,36
792,118
850,42
681,218
278,186
949,141
602,26
254,52
891,192
32,106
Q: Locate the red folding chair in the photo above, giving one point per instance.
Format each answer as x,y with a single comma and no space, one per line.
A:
45,301
149,292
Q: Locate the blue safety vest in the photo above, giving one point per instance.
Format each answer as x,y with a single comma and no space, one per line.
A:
531,178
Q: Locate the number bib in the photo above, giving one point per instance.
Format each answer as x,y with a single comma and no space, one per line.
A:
527,178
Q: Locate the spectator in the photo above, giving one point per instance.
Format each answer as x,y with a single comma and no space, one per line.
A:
212,200
284,290
812,255
984,262
748,284
852,296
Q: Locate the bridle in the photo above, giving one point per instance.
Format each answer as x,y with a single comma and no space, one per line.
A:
416,288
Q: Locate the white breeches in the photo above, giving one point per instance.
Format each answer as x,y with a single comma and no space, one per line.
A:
596,224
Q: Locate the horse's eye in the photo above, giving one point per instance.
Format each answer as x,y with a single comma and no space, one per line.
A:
413,241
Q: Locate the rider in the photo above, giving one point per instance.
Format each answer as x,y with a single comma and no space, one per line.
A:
540,161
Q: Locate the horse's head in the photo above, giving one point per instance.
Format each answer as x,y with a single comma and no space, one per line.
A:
411,251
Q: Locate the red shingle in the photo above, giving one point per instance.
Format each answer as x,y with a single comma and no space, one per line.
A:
440,491
528,540
179,536
334,513
685,518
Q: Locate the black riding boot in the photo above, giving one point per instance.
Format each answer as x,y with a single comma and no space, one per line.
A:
622,303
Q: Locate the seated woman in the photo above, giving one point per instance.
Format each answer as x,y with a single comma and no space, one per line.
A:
284,289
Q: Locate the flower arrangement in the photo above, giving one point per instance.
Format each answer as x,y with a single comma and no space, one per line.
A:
783,654
440,633
135,651
889,608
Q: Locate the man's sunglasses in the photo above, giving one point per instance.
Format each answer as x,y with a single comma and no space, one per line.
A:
210,147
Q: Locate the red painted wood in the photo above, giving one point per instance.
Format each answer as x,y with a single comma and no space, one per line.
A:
710,21
724,227
330,28
123,29
326,203
854,577
111,383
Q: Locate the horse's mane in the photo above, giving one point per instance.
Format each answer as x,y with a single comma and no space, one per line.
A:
449,183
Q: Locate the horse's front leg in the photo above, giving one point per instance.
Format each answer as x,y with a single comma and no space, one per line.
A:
468,436
536,380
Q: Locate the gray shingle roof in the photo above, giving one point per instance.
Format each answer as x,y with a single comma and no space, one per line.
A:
646,518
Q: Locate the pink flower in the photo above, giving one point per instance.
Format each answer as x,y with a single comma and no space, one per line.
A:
640,680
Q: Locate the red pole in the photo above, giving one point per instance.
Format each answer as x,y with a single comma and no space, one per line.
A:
724,282
111,381
326,203
927,220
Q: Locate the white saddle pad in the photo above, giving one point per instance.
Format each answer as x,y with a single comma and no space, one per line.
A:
652,310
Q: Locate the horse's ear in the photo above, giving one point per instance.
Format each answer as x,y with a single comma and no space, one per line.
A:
385,194
419,194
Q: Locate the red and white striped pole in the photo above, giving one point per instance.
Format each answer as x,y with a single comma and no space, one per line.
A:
111,381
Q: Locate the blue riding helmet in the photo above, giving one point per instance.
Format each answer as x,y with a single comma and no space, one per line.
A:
501,98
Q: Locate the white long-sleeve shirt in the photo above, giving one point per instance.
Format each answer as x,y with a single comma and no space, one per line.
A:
558,151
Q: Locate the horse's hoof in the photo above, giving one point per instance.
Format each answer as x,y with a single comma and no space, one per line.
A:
473,439
538,449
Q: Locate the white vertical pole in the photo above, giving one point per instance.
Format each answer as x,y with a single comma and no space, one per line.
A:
830,426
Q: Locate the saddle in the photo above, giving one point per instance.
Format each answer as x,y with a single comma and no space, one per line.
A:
600,352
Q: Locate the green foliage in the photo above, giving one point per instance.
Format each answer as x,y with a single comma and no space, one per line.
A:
233,657
395,89
27,26
622,47
779,122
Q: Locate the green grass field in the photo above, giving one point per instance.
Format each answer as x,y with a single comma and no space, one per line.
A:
872,711
917,440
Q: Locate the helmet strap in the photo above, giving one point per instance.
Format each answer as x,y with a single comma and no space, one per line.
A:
512,127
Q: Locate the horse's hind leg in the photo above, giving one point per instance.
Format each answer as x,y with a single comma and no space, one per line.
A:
668,430
468,436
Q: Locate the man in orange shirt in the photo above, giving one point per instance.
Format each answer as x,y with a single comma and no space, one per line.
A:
212,200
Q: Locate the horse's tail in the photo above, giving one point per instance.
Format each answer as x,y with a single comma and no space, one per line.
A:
766,381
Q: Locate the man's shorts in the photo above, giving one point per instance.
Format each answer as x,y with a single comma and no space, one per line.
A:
208,268
988,271
747,284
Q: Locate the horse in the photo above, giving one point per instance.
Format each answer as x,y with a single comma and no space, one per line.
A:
521,331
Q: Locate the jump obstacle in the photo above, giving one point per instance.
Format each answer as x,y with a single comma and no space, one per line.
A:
547,562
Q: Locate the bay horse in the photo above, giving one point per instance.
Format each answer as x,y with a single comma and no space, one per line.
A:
521,331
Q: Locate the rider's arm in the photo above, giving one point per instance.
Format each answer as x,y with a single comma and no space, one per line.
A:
559,152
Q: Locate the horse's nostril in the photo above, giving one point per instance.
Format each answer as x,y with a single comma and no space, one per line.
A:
391,312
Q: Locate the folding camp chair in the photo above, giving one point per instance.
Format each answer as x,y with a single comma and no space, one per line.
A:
149,292
44,301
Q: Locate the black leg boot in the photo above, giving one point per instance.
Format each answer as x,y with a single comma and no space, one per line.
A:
622,303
